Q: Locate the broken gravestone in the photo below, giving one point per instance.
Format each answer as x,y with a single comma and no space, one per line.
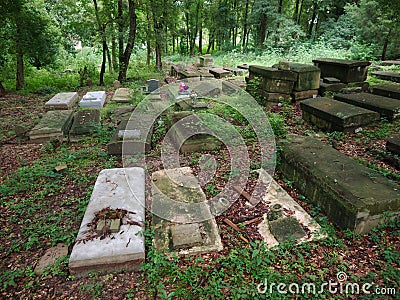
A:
50,257
117,194
93,100
86,122
122,95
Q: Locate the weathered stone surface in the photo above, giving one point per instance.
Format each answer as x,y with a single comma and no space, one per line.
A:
85,123
235,71
62,101
50,257
393,144
54,125
272,73
134,134
330,87
390,76
207,88
387,90
307,76
276,196
178,198
386,107
285,229
297,96
345,70
219,72
206,60
330,80
243,66
93,99
186,235
188,74
124,249
232,86
176,69
122,95
333,115
390,62
122,113
346,191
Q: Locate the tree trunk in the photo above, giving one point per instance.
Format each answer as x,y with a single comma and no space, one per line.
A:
113,50
300,13
102,30
246,12
201,36
20,69
148,37
120,22
385,45
130,43
2,90
314,16
296,11
263,29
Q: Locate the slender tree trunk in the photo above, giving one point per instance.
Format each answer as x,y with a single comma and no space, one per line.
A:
2,90
385,45
246,12
314,16
114,50
120,22
300,13
102,30
110,66
201,36
20,76
296,11
130,43
263,29
148,36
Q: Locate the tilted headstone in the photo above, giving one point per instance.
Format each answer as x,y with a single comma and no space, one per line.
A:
152,84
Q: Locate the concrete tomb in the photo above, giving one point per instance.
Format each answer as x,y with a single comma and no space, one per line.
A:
86,122
387,90
122,95
344,70
113,198
55,124
93,100
62,101
333,115
350,194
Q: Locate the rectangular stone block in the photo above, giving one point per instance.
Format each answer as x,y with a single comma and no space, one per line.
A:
387,90
345,70
272,73
219,73
243,66
206,60
297,96
122,95
55,124
330,87
115,190
393,144
188,74
86,122
62,101
390,76
93,99
333,115
307,76
135,133
386,107
235,71
390,62
330,80
349,193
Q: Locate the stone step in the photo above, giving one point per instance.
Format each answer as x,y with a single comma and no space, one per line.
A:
345,70
386,107
390,76
393,144
177,200
334,115
62,101
350,194
86,122
122,95
387,90
54,125
93,100
116,193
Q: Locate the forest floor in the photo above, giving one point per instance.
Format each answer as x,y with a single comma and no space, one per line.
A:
40,208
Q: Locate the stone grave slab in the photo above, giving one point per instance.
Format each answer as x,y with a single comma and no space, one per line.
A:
122,95
176,69
243,66
122,113
348,193
188,74
387,90
273,80
219,73
93,100
112,251
197,142
274,97
206,60
333,115
187,104
393,144
175,232
330,80
289,213
235,71
50,257
272,73
390,62
345,70
62,101
390,76
307,76
134,134
55,124
330,87
207,88
386,107
297,96
152,85
85,123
